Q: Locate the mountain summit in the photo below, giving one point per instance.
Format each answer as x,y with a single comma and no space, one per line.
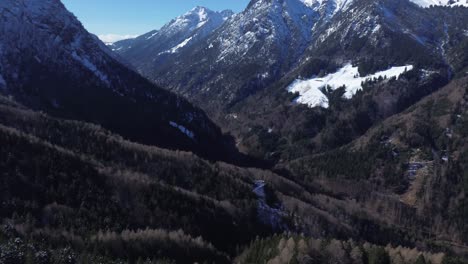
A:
179,34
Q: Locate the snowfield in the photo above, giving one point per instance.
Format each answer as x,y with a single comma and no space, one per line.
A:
310,91
428,3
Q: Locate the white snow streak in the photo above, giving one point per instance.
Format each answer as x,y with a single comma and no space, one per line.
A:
152,35
179,46
183,129
89,65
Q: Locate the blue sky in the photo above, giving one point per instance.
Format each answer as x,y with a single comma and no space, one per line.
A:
114,19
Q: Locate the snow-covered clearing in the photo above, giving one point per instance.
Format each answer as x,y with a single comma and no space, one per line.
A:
310,90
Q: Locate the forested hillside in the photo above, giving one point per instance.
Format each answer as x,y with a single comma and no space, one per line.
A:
76,189
410,168
298,249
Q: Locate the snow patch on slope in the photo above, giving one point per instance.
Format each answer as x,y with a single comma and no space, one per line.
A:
183,129
310,92
152,35
181,45
428,3
177,47
202,17
90,66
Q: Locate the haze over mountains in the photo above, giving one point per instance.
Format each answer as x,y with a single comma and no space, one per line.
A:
351,116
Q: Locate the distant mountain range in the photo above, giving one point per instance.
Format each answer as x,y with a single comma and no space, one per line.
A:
250,62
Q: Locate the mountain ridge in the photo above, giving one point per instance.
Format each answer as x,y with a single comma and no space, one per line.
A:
51,63
177,34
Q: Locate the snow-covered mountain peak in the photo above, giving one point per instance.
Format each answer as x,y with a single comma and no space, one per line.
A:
196,18
204,14
180,33
198,9
200,20
198,13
